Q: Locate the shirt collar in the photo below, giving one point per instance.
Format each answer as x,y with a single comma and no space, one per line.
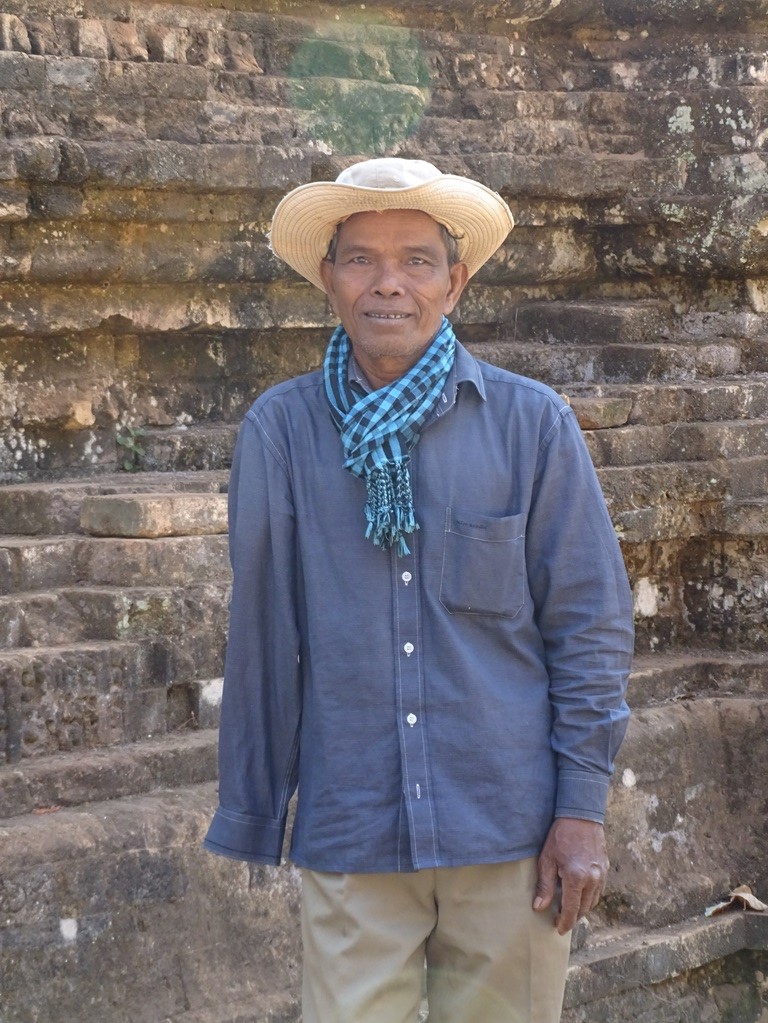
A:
464,369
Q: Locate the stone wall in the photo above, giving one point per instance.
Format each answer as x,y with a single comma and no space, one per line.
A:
144,147
142,150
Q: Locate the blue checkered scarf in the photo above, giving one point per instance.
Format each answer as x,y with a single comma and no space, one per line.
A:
378,431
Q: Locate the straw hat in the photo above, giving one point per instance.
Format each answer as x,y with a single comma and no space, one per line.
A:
305,220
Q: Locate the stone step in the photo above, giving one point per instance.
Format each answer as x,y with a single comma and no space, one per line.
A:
748,518
698,401
42,563
161,561
187,623
622,322
62,780
37,563
651,970
674,518
152,515
198,447
672,499
82,695
565,364
678,442
107,888
590,323
679,786
49,509
113,912
654,414
669,677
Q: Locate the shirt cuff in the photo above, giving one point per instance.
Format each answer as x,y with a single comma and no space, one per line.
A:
242,837
582,795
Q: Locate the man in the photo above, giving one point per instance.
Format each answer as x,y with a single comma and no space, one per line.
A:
430,628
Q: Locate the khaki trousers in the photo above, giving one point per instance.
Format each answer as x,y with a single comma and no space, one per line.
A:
489,957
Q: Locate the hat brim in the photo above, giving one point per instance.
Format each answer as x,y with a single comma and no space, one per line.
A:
305,220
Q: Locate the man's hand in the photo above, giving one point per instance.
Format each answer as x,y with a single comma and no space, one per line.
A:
574,853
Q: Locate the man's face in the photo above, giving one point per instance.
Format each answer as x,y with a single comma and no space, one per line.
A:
390,286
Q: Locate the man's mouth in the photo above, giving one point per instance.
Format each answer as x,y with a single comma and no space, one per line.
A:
388,316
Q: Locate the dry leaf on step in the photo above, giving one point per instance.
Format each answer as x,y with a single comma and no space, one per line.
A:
740,898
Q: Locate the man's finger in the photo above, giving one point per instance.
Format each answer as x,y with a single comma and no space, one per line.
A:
582,889
546,884
570,906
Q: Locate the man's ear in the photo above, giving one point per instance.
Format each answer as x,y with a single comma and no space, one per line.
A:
459,276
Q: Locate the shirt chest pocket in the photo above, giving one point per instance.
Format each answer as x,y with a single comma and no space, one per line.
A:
483,564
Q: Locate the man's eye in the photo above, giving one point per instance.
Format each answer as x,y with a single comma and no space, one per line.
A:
418,261
360,260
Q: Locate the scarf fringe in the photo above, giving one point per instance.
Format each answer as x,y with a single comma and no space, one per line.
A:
389,508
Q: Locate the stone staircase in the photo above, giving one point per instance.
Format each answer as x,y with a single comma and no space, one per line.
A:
112,624
113,595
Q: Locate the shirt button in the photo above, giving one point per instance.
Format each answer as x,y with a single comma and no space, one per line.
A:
409,648
411,719
406,577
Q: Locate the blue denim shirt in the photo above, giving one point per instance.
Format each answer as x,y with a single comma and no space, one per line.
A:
437,709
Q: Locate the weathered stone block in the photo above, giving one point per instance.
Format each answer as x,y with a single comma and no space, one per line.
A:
197,448
575,177
665,678
38,159
68,698
207,702
742,518
14,202
170,561
36,564
45,509
202,49
22,115
20,71
13,34
108,891
151,515
173,120
725,589
124,42
166,43
91,39
145,713
42,36
593,322
154,79
678,770
742,174
38,619
698,967
541,257
184,758
8,169
757,290
688,442
601,413
72,73
184,630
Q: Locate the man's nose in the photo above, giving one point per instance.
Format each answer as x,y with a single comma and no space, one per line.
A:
387,280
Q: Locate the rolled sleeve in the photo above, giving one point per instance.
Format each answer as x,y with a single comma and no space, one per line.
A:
245,838
581,794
